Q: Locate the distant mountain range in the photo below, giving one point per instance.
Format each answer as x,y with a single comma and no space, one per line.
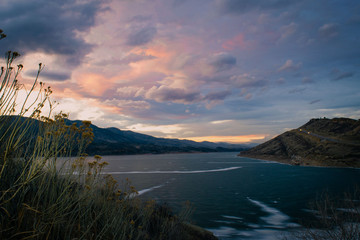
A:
112,141
320,142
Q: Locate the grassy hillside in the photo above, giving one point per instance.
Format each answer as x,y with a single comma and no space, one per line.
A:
320,142
343,129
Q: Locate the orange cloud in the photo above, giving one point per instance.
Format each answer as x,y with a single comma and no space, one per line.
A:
158,51
229,139
63,90
159,64
92,83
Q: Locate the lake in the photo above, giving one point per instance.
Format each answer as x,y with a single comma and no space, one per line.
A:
234,197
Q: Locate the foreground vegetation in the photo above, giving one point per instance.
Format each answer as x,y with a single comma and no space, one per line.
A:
47,193
333,218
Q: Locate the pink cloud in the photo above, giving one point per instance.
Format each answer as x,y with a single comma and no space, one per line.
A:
236,42
94,84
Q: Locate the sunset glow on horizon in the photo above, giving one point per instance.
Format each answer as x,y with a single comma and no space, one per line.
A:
229,139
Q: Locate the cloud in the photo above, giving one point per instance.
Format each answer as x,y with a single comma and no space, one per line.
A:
148,56
243,6
306,80
129,92
125,60
289,66
343,76
132,57
221,121
127,105
50,75
178,95
245,94
315,101
141,36
222,61
329,30
140,18
156,129
236,42
230,139
280,81
93,83
216,96
297,90
81,109
247,81
248,96
288,30
50,27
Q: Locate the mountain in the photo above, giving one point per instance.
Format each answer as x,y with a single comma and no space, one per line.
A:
113,141
320,142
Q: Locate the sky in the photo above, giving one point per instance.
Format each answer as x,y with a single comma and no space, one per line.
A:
234,71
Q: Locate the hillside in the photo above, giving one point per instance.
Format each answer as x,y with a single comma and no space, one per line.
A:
115,141
320,142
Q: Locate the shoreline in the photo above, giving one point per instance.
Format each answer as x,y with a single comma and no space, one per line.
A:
146,154
302,163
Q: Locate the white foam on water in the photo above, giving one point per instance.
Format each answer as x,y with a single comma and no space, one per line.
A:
232,217
275,218
222,221
176,172
223,162
311,211
349,210
226,232
254,234
141,192
240,162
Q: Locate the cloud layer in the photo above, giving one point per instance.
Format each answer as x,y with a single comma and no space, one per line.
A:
254,67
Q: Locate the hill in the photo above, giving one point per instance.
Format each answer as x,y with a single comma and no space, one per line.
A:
115,141
319,142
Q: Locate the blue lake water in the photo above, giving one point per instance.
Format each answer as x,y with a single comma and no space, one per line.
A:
234,197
